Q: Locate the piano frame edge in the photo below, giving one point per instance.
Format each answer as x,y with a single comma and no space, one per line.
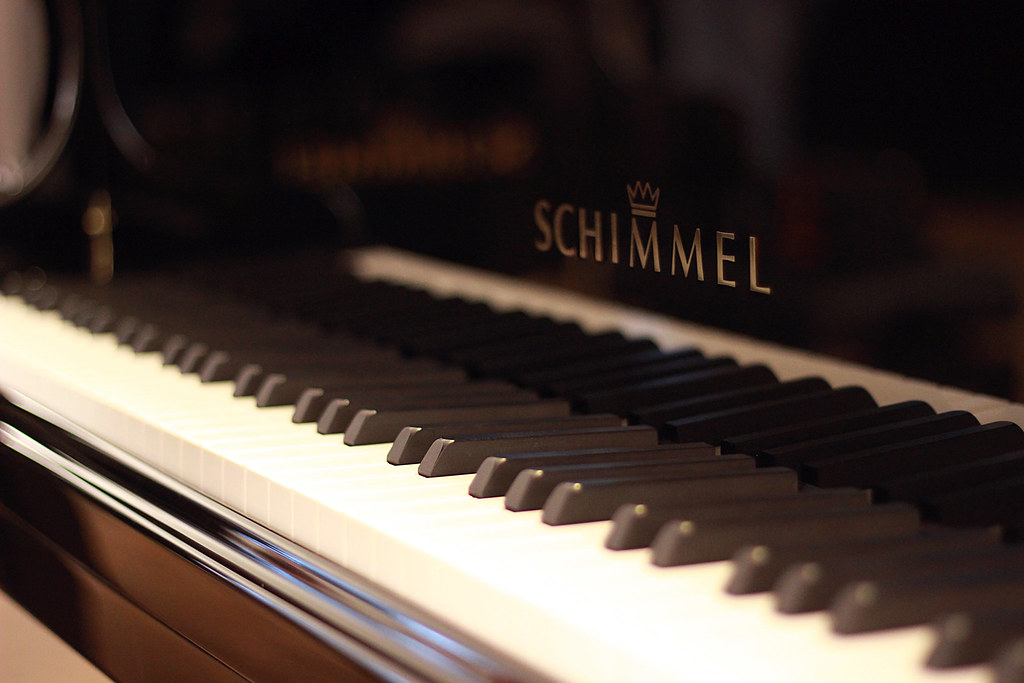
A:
138,548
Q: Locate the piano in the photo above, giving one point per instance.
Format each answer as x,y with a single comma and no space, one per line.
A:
444,341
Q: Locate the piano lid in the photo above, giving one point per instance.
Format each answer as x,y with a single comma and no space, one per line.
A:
843,177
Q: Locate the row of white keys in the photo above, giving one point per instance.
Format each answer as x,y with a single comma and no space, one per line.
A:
553,597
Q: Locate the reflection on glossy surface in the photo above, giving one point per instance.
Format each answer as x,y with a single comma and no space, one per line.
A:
24,62
40,74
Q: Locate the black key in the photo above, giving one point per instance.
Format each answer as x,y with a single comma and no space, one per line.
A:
295,350
173,347
691,542
251,333
866,468
17,283
13,283
126,328
314,368
378,314
597,499
964,638
382,426
209,364
148,337
713,427
70,303
93,315
439,317
340,412
580,387
874,605
497,473
608,345
929,484
323,358
675,387
312,402
757,568
212,365
413,442
310,355
310,405
547,355
659,415
635,526
441,343
79,313
34,282
549,378
848,442
77,309
444,314
531,487
561,334
280,389
248,377
102,320
96,317
465,454
45,298
756,442
815,585
991,503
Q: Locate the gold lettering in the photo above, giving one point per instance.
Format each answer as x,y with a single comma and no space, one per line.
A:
540,219
636,247
594,232
754,285
615,237
686,258
566,249
723,257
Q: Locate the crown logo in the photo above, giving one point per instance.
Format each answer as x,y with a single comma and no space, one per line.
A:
643,201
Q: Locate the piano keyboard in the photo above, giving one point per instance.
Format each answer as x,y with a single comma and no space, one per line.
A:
551,596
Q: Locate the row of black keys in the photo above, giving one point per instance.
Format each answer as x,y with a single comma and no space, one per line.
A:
582,468
957,470
484,367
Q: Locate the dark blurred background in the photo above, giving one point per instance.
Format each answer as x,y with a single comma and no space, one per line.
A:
874,148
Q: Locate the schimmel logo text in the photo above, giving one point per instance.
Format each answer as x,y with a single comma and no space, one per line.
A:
579,232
